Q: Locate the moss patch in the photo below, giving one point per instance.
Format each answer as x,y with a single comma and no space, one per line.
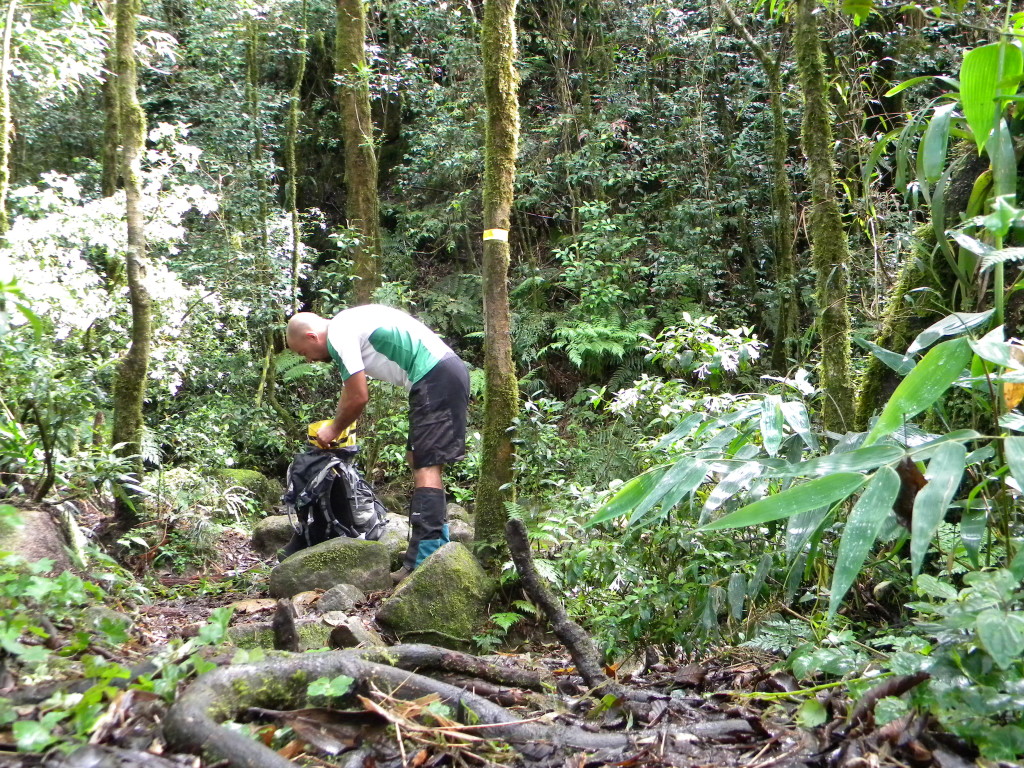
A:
364,564
265,490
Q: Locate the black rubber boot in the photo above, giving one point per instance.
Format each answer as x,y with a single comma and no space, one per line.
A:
428,514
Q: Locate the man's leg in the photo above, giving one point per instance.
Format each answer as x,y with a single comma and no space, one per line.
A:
427,517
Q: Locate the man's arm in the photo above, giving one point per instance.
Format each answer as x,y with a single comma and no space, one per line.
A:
354,396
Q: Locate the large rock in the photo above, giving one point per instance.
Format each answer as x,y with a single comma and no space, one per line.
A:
262,488
365,564
38,537
458,512
396,537
313,633
460,531
271,534
443,602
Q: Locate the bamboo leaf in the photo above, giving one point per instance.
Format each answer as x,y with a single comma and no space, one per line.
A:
943,476
736,594
628,496
935,142
816,493
951,325
929,380
908,84
800,528
771,424
758,579
859,460
731,484
979,85
676,473
902,364
796,416
1002,160
860,532
973,524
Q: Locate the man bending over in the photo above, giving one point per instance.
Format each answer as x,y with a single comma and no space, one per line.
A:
387,344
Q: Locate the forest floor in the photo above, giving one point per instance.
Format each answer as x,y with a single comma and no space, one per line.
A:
726,708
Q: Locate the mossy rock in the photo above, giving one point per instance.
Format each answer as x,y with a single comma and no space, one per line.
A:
264,489
271,534
37,538
313,633
442,602
366,564
396,537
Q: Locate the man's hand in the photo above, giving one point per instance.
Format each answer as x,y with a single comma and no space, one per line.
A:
327,434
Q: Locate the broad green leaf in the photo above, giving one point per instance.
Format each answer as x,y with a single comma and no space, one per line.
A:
685,473
682,430
796,416
1002,159
951,325
858,460
902,364
811,713
731,484
800,529
943,476
926,450
928,585
810,495
1013,447
1002,635
973,523
929,380
860,532
979,77
628,496
771,423
685,485
859,9
997,352
737,593
757,580
935,142
1014,421
908,84
972,244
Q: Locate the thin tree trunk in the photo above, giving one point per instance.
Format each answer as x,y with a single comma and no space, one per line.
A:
130,384
5,113
291,138
784,349
362,206
501,394
829,248
111,133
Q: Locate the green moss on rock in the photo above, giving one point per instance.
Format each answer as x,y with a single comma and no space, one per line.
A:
445,599
264,489
365,564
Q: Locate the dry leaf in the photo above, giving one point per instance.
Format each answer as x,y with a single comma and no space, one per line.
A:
1013,392
253,606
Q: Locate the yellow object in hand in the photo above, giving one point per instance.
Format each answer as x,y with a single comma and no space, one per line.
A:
346,439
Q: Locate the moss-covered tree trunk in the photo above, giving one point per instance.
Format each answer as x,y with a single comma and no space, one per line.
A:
130,383
111,134
829,247
785,330
5,112
361,207
501,395
291,166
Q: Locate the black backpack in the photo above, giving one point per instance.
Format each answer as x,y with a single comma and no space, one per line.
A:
329,497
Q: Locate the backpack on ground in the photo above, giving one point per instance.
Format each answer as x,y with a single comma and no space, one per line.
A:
327,497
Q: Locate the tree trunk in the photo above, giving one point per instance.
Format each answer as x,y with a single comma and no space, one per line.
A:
130,384
111,133
361,207
784,348
291,137
5,114
829,248
501,393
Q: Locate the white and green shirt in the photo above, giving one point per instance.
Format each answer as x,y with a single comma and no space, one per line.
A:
385,342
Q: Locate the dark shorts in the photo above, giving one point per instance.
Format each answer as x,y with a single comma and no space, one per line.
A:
438,405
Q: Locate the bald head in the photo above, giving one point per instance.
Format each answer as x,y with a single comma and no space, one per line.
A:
307,336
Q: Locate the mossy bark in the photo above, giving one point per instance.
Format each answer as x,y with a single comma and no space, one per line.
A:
130,384
361,206
111,131
784,348
829,247
501,394
5,113
291,138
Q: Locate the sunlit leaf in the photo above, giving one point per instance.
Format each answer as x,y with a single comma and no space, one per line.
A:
736,594
810,495
935,141
796,416
628,496
979,77
951,325
923,386
857,460
860,532
731,484
943,476
902,364
907,84
973,524
686,474
771,423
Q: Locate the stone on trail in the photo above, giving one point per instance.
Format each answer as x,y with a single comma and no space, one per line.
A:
342,597
37,538
460,531
271,534
364,564
313,633
396,537
443,602
350,632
